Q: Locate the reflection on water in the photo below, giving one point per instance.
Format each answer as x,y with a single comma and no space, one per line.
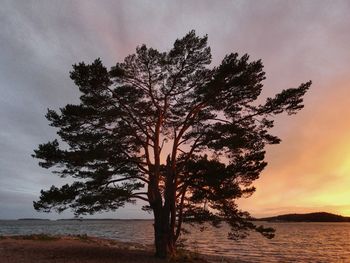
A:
294,242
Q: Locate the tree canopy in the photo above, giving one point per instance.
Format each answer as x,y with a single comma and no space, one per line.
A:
168,129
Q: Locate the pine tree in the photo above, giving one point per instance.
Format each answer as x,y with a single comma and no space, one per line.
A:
165,128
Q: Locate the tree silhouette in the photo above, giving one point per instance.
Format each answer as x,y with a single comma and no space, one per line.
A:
167,129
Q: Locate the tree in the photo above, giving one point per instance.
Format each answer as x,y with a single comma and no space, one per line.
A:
166,129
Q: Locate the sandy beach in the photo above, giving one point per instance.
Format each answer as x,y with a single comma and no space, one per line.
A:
79,249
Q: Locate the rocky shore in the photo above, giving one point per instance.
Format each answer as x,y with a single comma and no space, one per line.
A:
83,249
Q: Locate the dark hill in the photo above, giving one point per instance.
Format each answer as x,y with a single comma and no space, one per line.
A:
310,217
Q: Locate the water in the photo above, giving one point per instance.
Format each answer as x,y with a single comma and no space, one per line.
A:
294,242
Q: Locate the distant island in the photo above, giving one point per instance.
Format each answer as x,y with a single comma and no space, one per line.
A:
309,217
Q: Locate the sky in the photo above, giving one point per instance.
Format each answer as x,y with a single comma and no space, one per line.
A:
296,40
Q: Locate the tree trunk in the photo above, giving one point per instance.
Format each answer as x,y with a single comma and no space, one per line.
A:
164,215
163,237
163,233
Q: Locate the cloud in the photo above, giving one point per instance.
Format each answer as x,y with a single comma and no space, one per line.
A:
297,41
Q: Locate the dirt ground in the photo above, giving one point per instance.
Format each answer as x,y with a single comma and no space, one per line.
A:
44,249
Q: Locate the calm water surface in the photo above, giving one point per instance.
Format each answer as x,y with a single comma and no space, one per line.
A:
294,242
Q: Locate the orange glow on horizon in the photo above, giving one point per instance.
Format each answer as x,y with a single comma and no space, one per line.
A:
310,170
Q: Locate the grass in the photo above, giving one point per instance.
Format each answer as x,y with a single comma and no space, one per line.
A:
185,256
113,242
83,237
37,237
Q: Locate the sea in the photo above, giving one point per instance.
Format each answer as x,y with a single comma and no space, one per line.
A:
294,242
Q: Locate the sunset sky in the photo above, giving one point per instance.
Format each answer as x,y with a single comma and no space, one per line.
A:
296,40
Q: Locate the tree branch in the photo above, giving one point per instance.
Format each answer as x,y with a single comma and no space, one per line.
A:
128,111
125,179
179,221
139,197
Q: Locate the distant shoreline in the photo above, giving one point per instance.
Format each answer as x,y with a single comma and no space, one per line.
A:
33,219
76,219
305,217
